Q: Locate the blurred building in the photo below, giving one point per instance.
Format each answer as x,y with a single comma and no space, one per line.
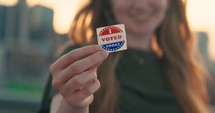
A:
209,63
27,45
203,48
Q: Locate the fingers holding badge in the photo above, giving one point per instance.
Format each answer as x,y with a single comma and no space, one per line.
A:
75,73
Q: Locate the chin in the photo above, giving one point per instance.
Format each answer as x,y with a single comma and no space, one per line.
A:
143,32
140,29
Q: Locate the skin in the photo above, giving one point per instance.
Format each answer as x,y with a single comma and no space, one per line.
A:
74,74
141,18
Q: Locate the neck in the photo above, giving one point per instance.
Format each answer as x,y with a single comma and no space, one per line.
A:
139,42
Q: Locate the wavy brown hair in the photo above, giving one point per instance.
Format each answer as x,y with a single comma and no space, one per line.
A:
184,72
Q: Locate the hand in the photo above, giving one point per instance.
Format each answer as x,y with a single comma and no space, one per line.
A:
75,76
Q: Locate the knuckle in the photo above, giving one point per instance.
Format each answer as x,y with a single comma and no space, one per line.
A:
77,80
56,83
75,69
88,92
95,59
93,76
90,76
97,84
92,89
52,68
91,73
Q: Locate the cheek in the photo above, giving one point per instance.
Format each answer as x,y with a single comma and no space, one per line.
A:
159,4
120,9
161,7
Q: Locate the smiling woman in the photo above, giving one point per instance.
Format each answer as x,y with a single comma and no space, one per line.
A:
173,82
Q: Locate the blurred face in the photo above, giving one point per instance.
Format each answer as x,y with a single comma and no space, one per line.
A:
141,17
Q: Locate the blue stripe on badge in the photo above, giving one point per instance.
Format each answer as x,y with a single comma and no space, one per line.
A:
113,46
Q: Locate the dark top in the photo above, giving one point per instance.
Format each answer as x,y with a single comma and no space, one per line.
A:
143,86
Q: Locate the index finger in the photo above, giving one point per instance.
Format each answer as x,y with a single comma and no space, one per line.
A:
74,55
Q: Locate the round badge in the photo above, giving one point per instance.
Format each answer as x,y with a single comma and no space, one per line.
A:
112,36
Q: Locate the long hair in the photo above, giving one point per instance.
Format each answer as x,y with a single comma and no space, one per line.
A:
183,70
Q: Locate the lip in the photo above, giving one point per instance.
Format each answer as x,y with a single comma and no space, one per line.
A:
140,17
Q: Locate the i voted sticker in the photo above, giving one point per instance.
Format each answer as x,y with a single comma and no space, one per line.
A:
112,38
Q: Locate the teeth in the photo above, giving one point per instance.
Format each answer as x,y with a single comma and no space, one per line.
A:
142,13
142,16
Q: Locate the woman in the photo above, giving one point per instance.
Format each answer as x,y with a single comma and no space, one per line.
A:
159,73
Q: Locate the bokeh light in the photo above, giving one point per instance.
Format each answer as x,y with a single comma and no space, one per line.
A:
8,2
201,17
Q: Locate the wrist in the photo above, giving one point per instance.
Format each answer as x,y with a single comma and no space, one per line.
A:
59,105
80,109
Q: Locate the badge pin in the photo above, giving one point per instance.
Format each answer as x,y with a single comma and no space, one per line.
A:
112,38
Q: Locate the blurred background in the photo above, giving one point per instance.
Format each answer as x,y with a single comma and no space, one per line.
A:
32,30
